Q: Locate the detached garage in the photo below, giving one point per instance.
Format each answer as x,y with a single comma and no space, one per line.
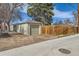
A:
30,27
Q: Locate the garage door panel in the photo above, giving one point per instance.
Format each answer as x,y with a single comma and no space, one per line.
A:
34,30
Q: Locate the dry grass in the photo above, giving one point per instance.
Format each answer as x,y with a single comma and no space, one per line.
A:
18,40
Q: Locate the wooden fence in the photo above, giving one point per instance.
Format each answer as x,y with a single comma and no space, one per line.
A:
57,30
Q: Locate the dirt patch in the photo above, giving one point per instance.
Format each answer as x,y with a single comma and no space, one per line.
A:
5,35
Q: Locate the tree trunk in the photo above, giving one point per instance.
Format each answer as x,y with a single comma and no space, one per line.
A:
4,27
78,19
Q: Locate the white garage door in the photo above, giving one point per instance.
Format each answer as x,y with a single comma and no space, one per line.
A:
34,30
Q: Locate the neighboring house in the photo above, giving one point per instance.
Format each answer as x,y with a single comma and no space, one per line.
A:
29,27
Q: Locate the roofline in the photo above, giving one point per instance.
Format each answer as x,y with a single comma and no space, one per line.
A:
28,23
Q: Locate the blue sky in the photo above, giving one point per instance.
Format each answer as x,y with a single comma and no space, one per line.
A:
66,6
22,12
63,11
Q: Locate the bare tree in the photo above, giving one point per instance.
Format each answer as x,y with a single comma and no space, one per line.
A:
6,12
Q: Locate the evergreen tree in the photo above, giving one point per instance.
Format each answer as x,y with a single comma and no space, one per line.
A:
41,12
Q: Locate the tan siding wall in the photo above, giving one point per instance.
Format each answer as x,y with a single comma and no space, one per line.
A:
11,27
24,29
18,28
25,26
40,30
